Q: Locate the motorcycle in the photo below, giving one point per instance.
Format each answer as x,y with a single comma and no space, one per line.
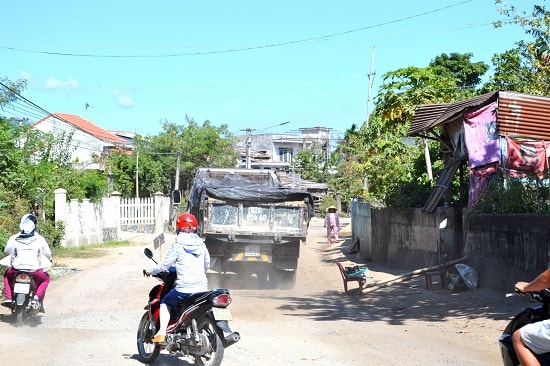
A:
200,331
527,316
22,307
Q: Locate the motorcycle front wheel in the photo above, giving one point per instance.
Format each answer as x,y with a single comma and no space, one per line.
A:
214,357
148,351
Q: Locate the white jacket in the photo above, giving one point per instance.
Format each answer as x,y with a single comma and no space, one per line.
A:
191,259
28,254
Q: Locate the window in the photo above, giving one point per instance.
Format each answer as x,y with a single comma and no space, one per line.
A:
285,155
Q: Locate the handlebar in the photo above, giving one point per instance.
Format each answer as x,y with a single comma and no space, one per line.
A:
542,296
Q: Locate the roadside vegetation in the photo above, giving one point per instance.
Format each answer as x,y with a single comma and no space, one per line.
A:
88,251
376,161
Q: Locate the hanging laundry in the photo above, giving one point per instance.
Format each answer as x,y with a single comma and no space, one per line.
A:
480,132
479,180
525,157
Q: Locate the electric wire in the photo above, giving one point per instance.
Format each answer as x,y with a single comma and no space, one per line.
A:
249,48
20,109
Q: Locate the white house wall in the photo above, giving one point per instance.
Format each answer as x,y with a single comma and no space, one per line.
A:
85,144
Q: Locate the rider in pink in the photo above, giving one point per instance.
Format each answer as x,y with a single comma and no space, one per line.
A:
28,251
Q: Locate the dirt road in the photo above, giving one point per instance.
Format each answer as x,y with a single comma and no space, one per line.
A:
93,313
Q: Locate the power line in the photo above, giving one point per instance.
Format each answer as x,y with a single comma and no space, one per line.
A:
23,109
241,49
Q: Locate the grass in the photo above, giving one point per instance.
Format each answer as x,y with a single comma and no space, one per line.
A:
88,251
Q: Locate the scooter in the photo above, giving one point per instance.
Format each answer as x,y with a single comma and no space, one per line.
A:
200,331
527,316
22,307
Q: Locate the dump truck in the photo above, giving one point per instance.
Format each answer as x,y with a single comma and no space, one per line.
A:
251,222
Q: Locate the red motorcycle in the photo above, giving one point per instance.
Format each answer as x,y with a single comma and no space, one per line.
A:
200,331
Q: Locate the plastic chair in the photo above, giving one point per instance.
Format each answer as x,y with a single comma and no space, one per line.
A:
360,277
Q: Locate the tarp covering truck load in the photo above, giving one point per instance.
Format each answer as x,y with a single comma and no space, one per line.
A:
251,222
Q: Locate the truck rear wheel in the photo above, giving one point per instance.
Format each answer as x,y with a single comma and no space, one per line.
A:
285,280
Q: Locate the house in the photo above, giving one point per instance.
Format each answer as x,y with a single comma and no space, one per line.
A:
89,140
498,134
276,151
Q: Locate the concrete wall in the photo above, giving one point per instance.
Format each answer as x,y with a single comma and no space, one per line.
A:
507,248
90,223
501,248
403,238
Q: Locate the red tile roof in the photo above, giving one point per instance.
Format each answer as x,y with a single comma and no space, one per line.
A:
86,126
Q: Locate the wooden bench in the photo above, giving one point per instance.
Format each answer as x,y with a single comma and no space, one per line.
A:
359,276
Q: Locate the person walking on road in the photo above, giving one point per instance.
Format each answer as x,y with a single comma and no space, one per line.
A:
332,223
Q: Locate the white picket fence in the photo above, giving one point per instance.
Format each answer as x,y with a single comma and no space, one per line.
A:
137,212
89,223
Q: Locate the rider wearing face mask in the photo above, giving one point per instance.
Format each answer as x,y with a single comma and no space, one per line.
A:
30,252
191,258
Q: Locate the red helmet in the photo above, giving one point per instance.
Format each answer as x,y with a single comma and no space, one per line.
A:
186,222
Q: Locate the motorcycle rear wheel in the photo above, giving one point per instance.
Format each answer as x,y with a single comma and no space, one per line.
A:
208,327
18,316
148,351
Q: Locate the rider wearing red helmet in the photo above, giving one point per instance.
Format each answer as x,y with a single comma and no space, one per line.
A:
186,223
191,259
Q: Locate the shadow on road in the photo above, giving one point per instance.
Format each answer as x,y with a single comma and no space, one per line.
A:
396,303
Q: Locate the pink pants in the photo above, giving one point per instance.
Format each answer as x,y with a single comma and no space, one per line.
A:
41,279
330,231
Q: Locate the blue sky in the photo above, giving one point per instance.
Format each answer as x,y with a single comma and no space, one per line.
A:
248,64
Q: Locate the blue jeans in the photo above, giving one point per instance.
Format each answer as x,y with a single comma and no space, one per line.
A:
172,299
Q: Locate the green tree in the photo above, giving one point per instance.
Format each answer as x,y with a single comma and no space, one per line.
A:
467,74
33,165
513,72
403,90
312,164
525,69
380,163
155,158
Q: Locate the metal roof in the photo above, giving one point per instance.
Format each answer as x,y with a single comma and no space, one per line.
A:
523,116
428,116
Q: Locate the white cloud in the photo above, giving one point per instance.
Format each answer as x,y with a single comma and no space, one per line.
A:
123,98
53,83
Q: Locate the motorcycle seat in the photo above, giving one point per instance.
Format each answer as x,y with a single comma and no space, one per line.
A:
198,295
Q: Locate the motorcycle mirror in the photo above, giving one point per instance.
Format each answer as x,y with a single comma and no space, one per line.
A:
176,196
148,253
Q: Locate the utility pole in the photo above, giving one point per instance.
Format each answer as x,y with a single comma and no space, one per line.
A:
177,178
371,80
175,205
137,173
248,145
